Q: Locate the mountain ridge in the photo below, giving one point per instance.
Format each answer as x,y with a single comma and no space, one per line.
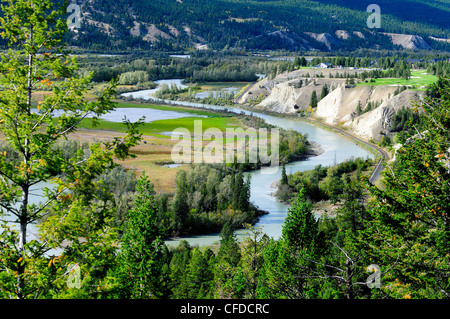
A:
251,25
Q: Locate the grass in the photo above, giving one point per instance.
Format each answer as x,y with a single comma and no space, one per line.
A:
156,146
418,79
162,128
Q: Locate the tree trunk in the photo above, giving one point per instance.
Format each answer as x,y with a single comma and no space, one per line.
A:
348,279
24,214
22,241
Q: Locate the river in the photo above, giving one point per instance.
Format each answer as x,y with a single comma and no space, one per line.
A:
336,150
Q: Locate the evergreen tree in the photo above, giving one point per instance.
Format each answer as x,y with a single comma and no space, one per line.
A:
359,110
140,258
252,260
300,226
200,276
178,269
229,248
409,225
324,92
227,276
284,178
314,101
180,206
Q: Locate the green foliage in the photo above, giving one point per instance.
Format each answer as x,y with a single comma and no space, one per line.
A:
139,270
208,197
255,25
300,226
408,228
324,91
37,54
133,77
323,183
313,102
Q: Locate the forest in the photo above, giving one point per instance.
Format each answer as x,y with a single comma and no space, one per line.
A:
322,183
255,25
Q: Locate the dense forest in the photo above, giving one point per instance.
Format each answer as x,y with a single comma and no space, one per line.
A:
253,25
322,183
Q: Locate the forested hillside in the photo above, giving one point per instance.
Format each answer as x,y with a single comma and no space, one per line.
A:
256,25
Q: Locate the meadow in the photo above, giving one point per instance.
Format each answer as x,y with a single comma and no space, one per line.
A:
419,79
155,149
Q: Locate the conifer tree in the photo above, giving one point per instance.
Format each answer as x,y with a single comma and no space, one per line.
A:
324,92
141,254
300,226
314,101
409,225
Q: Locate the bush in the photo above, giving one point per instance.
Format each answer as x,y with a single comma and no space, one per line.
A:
134,77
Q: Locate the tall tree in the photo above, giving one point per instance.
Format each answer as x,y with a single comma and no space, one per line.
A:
252,259
200,275
324,91
227,277
180,205
313,102
141,254
300,226
284,178
287,263
409,224
38,58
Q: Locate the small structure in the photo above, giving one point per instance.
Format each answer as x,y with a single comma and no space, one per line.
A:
323,65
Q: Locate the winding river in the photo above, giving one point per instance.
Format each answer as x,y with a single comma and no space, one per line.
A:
336,149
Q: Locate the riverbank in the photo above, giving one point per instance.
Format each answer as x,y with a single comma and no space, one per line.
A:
335,148
377,151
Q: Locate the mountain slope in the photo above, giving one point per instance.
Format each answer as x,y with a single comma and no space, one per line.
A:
255,24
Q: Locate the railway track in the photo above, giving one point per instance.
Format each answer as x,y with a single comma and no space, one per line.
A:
384,155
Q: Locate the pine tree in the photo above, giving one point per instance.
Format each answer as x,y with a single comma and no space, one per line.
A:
284,178
313,102
409,225
324,92
227,279
180,206
300,226
200,276
140,258
359,108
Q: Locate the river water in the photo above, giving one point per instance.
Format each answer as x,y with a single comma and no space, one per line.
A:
336,150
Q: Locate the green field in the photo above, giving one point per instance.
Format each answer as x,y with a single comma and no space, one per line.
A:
418,79
163,128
